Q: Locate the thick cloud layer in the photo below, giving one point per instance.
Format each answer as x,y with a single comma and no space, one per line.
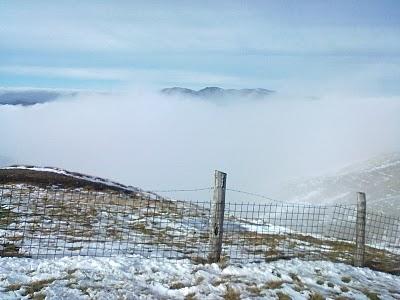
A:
157,142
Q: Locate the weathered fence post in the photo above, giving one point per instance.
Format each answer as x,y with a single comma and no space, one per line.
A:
360,230
217,217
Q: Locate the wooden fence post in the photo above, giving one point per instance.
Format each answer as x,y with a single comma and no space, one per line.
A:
359,255
217,217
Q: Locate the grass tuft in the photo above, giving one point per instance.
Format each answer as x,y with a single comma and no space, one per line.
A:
275,284
231,294
344,289
316,296
190,296
176,286
283,296
253,289
31,290
346,279
13,287
371,295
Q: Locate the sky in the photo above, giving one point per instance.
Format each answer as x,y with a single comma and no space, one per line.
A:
335,67
309,47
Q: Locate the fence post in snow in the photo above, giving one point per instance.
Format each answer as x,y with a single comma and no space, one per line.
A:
217,217
359,255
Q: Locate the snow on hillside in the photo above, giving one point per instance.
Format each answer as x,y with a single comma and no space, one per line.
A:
379,178
139,278
74,175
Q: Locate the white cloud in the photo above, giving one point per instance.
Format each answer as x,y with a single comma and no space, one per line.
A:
80,73
129,76
150,141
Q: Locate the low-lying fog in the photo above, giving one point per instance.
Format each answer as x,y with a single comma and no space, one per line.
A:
158,142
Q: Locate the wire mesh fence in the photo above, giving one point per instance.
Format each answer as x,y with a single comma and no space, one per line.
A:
272,231
54,222
382,237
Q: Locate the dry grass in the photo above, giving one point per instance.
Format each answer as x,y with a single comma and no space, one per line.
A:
223,261
191,296
11,250
198,260
295,278
346,279
176,286
272,285
231,294
32,289
316,296
283,296
320,282
344,289
13,287
221,280
371,295
6,217
199,280
254,289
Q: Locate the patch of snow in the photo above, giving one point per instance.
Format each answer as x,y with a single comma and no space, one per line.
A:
140,278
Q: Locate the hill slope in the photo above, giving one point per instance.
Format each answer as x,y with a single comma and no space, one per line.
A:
379,178
48,176
49,212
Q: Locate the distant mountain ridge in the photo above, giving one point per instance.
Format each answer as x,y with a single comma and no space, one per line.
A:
217,92
26,97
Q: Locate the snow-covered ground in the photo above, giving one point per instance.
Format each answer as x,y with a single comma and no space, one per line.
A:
140,278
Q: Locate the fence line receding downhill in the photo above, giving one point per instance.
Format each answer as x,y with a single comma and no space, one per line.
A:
53,222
